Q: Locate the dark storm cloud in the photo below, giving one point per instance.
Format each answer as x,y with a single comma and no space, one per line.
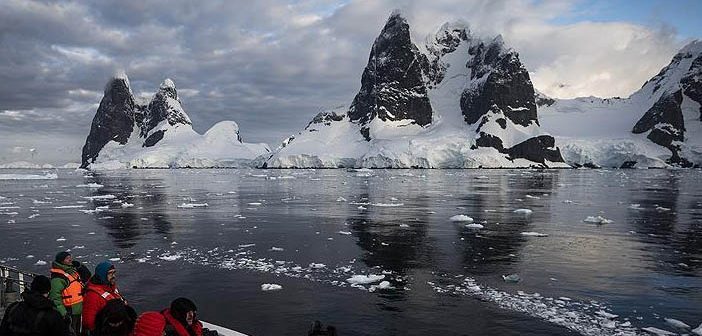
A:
268,65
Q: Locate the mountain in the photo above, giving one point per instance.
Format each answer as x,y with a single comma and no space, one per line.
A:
158,133
458,102
660,125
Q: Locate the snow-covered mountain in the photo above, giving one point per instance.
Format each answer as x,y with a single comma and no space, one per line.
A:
127,133
458,102
660,125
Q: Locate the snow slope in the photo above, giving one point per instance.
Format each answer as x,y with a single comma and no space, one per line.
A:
600,132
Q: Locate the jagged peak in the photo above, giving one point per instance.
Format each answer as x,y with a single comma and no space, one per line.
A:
694,48
118,76
397,14
168,83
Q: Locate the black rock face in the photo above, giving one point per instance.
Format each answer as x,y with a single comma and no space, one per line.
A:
392,85
161,109
537,149
507,87
113,121
692,82
664,119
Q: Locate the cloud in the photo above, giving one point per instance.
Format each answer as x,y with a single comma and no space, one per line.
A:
272,65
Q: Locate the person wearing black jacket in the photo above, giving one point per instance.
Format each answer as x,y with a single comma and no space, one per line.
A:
35,315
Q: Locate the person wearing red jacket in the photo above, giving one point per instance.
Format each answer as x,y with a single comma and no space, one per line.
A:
150,323
102,288
181,319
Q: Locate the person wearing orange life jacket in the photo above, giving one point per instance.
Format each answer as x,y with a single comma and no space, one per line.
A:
67,290
102,288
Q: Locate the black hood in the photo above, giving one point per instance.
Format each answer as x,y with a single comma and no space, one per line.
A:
36,300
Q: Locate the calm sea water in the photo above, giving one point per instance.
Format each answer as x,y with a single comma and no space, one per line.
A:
312,230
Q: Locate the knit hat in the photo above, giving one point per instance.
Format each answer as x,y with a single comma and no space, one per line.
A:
150,324
61,256
41,284
180,307
101,271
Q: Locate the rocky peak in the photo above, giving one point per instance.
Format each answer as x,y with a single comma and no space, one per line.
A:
114,120
500,84
392,85
164,106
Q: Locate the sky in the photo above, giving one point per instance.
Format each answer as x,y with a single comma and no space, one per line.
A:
272,65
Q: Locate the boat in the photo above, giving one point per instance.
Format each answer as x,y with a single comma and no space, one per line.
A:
14,281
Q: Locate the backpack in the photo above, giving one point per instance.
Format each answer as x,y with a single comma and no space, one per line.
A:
18,329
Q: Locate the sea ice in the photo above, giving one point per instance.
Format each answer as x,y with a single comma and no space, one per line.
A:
677,323
523,211
40,263
100,197
461,218
61,239
317,266
388,204
347,233
474,226
246,245
90,185
597,220
277,249
47,176
698,331
659,332
360,279
192,205
511,278
270,287
534,234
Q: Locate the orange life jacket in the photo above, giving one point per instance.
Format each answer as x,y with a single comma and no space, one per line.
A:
73,293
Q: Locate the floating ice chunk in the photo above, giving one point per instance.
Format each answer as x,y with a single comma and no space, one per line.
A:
474,226
606,315
511,278
534,234
677,323
361,207
192,205
388,204
533,197
567,201
61,239
47,176
698,331
461,218
347,233
381,285
635,206
659,332
100,197
40,263
523,211
246,245
277,249
662,209
29,256
90,185
404,226
114,259
127,205
597,220
317,266
271,287
254,203
40,202
33,216
341,199
360,279
69,207
170,257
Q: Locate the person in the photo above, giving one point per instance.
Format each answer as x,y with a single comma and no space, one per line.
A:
35,315
67,290
102,287
116,318
181,319
151,323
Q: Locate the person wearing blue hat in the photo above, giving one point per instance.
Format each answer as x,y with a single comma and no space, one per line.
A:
102,288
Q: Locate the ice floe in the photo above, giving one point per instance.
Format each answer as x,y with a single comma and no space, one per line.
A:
90,185
534,234
474,226
347,233
40,263
523,211
676,323
360,279
388,204
461,218
47,176
659,332
100,197
597,220
270,287
192,205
